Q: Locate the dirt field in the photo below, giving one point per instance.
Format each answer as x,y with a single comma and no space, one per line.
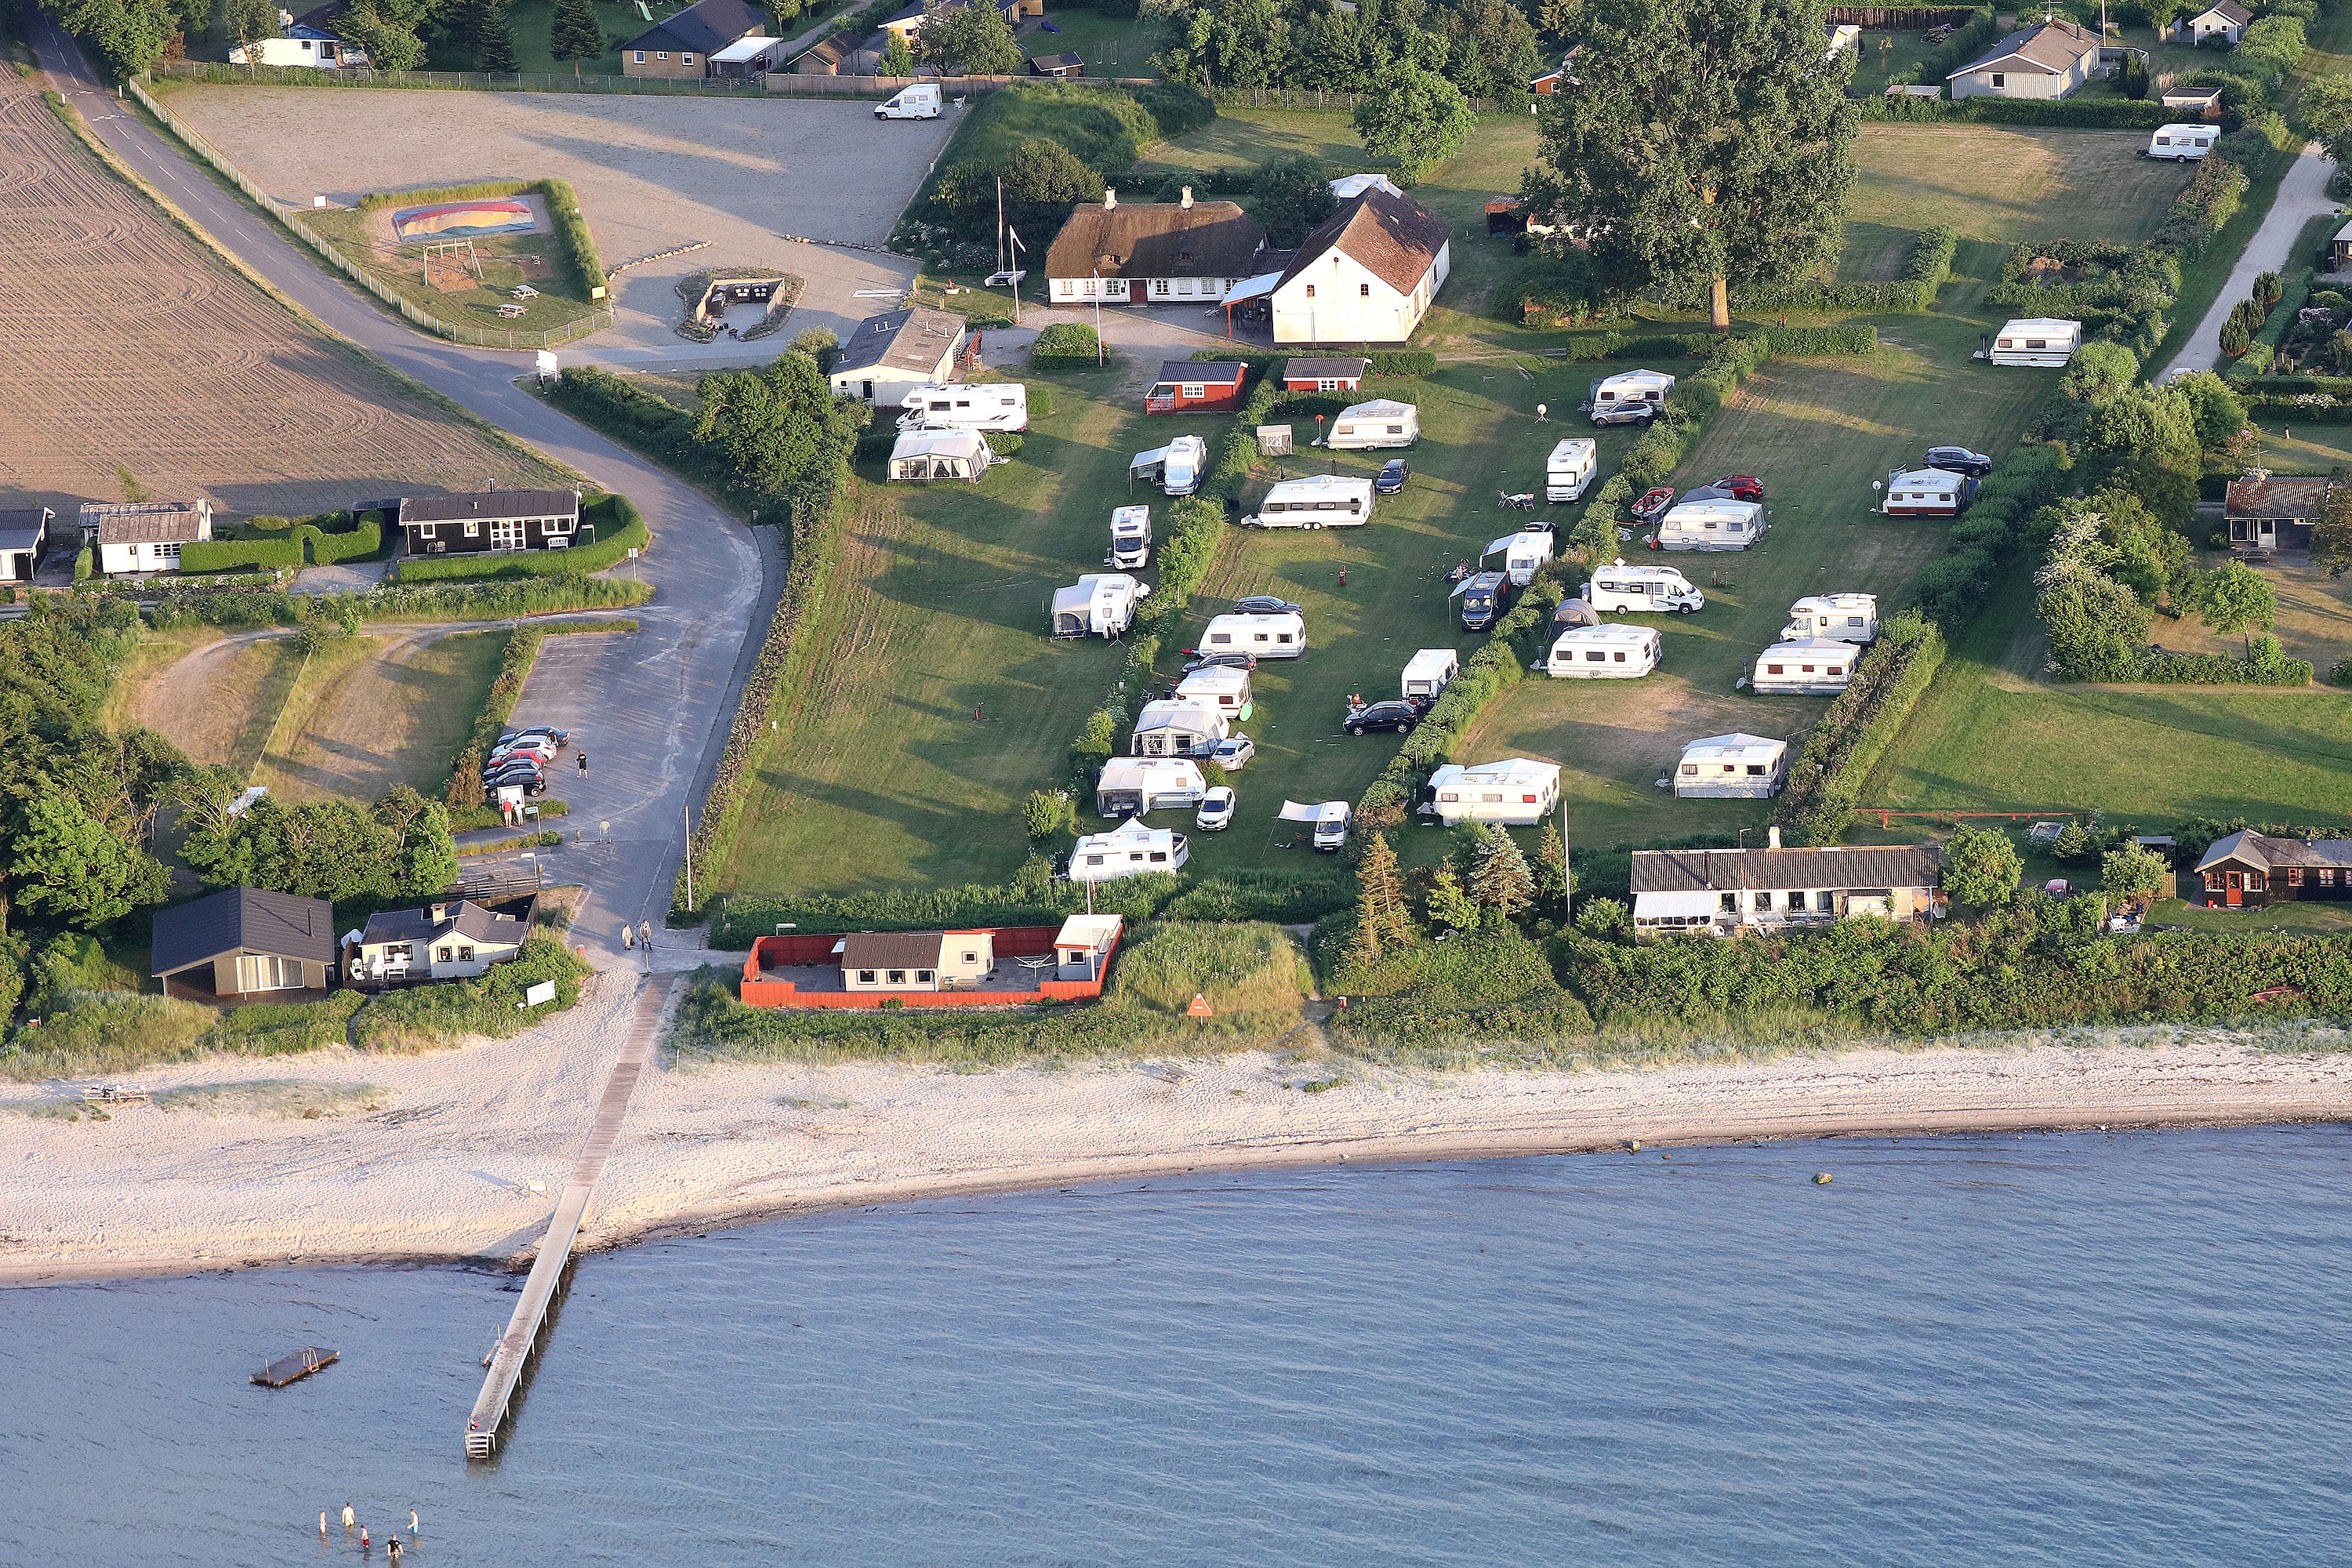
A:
651,172
216,699
371,712
126,346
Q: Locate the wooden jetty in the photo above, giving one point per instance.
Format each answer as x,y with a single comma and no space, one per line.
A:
513,1350
293,1368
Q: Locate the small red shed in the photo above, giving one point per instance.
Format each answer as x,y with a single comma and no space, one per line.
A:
1324,374
1187,386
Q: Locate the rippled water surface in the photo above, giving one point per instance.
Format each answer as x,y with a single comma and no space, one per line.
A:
2079,1350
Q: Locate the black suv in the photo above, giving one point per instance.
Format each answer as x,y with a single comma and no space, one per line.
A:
1484,597
1395,715
1959,460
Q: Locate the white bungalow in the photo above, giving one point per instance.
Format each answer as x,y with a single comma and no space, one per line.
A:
1100,603
2226,20
1812,665
934,453
1620,652
1927,492
1736,766
1712,525
2040,342
1429,672
2047,59
1131,787
1367,427
1170,728
1841,617
1518,791
1131,849
1084,945
1226,691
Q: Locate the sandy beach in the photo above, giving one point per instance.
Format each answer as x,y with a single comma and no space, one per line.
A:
436,1161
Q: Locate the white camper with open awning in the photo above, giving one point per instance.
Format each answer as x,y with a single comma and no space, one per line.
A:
1176,469
1129,786
1524,553
1328,818
1100,603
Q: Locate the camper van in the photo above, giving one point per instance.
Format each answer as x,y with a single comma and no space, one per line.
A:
1732,767
1366,427
921,102
1619,652
928,454
1812,664
1319,501
993,405
1838,618
2037,340
1129,850
1642,590
1928,492
1130,537
1428,673
2182,143
1712,525
1176,468
1484,596
1131,786
1100,603
1267,636
1518,791
1329,819
1631,397
1176,728
1524,553
1569,469
1220,686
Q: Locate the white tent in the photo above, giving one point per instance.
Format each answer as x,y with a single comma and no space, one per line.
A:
1329,819
932,453
1347,187
1518,791
1735,766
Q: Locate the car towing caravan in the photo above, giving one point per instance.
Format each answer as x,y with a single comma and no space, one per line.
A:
1569,469
1280,636
1839,617
1130,537
1712,525
1176,468
1630,397
1642,590
1367,427
1100,603
1318,500
1429,672
1815,666
990,405
1524,553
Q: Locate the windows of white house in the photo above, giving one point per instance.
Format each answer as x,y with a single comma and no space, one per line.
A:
1160,286
1067,287
267,972
1310,290
1999,79
661,54
1363,290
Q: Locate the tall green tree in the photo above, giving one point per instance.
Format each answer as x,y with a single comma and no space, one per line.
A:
2325,110
127,35
2133,872
572,33
1981,867
1382,919
1708,145
387,31
898,60
771,424
1500,882
2236,598
1292,196
493,40
68,867
2331,539
974,39
1413,115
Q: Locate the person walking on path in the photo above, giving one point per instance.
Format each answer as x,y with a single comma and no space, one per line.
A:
645,935
584,764
628,936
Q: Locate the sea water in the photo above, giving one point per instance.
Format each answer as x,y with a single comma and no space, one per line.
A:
2088,1349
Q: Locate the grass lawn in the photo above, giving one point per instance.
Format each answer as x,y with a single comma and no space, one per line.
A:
1111,46
368,713
2290,446
2006,184
2325,920
216,703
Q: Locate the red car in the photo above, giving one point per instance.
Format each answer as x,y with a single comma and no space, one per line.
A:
1654,504
1743,487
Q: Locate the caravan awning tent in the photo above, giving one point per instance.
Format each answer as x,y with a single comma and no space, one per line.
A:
934,453
1324,811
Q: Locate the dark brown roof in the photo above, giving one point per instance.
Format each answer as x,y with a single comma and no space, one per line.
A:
1394,237
1046,65
1325,369
2302,498
834,51
1221,371
2229,10
1157,239
2255,848
1727,871
243,920
702,27
892,950
489,504
2055,46
145,522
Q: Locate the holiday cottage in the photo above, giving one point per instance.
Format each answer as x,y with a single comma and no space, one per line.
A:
1152,253
2253,870
1723,893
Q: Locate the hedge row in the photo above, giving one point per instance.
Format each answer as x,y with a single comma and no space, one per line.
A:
285,554
2267,664
1066,345
2104,114
1826,780
1484,676
244,609
1241,895
465,791
1986,537
636,417
1402,363
1928,270
619,530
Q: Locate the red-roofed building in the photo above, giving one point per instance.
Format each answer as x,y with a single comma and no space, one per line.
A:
1367,276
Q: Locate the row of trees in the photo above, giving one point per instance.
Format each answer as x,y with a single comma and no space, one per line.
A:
1487,881
131,35
1483,48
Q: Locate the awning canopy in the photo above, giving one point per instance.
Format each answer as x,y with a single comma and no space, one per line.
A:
1253,288
1327,811
742,49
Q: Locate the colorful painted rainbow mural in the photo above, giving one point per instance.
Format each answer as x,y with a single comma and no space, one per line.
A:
464,220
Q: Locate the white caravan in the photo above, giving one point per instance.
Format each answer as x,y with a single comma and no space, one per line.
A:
1170,728
1516,792
1428,672
921,102
1712,525
1642,590
1131,849
1176,468
1268,637
1129,786
1100,603
928,454
991,405
1329,818
1130,537
2182,143
1570,468
1633,397
1732,767
1927,492
1813,664
1839,617
1369,425
1319,501
1620,652
1524,553
2037,340
1219,687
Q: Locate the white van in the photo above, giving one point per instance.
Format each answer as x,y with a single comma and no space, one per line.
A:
1428,673
1569,469
1712,525
1319,501
1130,537
1839,617
1267,636
1815,664
1380,422
991,405
2182,143
1603,653
921,102
1642,590
1524,553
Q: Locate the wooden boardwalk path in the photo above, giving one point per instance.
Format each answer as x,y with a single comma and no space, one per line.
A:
539,1292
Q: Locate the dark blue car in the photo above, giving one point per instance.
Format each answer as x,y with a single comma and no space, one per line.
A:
1393,474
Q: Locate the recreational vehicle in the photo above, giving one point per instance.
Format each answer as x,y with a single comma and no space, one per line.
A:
1617,652
1223,688
1100,603
928,454
994,405
1175,728
1176,468
1267,636
1813,664
921,102
1516,792
1319,501
1629,397
1524,553
1712,525
2037,340
1642,590
1131,849
1484,596
1366,427
1131,786
1570,468
1130,537
1928,492
1839,617
1428,672
1732,767
2182,143
1330,818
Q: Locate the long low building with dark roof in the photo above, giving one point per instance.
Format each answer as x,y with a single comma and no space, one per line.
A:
493,520
245,944
1153,253
1723,893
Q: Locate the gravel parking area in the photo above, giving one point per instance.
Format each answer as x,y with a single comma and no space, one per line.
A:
651,172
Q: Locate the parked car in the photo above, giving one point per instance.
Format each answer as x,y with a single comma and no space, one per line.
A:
529,732
1264,605
1959,460
1216,812
1740,487
536,746
1392,476
1655,503
512,772
1393,714
1219,661
1234,752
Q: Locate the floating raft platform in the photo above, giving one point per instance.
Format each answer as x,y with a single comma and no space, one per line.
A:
293,1368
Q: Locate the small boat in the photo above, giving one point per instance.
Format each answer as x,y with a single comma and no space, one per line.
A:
293,1368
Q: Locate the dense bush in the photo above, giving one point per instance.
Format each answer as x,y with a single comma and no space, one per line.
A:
1827,777
431,1018
1454,1003
362,537
1928,270
1064,345
1990,532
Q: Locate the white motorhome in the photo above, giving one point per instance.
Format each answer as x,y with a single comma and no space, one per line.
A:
1220,686
1174,727
1839,617
1100,603
930,454
1570,468
1524,553
1318,500
1927,492
988,405
1267,636
1429,672
1130,537
1177,467
2038,341
1131,786
1642,590
1732,767
1131,849
1367,427
1518,791
921,102
2182,143
1633,397
1809,664
1621,652
1330,818
1712,525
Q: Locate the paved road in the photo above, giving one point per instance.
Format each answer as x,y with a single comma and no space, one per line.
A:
2302,196
652,709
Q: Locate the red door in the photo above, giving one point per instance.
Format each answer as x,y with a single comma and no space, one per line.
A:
2235,882
1135,294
